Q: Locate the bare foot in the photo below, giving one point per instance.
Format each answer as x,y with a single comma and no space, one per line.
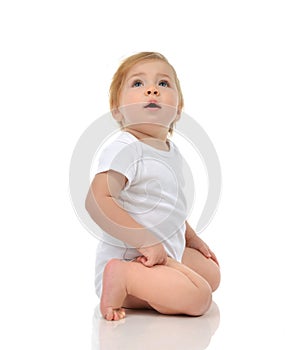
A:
113,290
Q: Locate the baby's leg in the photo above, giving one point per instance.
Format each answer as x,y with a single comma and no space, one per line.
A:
164,288
135,303
205,267
191,274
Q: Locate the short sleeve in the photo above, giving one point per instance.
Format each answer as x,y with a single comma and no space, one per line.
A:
121,157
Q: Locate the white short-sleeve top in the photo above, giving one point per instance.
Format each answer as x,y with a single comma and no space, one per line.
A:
153,194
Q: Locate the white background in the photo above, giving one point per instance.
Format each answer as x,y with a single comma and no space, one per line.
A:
57,59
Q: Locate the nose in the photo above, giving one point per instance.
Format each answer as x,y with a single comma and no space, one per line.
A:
152,91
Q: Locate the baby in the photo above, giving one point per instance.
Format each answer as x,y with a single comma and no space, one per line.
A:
150,256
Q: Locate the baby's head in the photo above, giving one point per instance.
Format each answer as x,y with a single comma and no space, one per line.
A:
119,79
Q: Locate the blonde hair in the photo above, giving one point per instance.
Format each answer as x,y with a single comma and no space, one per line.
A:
121,73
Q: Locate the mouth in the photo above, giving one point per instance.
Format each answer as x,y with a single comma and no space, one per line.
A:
152,105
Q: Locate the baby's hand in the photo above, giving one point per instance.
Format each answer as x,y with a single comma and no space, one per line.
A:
153,255
197,243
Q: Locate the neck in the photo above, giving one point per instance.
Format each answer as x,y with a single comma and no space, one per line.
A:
157,140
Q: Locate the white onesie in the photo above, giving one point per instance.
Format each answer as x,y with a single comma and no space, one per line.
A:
153,196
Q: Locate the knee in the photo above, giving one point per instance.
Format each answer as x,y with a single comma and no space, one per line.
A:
215,278
201,302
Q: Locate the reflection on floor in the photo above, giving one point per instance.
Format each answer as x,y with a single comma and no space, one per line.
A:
146,329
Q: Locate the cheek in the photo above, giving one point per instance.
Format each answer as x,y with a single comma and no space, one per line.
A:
129,97
131,112
173,98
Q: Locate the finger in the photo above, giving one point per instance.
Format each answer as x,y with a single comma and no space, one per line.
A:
139,258
146,261
143,260
214,258
152,262
164,261
205,251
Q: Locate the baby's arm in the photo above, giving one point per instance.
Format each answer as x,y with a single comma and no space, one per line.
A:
101,204
195,242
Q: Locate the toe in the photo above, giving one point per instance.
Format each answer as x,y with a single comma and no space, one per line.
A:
122,313
114,314
109,315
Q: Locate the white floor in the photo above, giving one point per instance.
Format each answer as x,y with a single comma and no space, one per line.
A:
224,326
150,330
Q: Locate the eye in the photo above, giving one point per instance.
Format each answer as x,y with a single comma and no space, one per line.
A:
164,83
137,83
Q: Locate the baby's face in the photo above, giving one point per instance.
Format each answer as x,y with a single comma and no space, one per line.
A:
149,95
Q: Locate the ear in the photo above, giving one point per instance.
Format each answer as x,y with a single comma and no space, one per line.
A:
117,115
